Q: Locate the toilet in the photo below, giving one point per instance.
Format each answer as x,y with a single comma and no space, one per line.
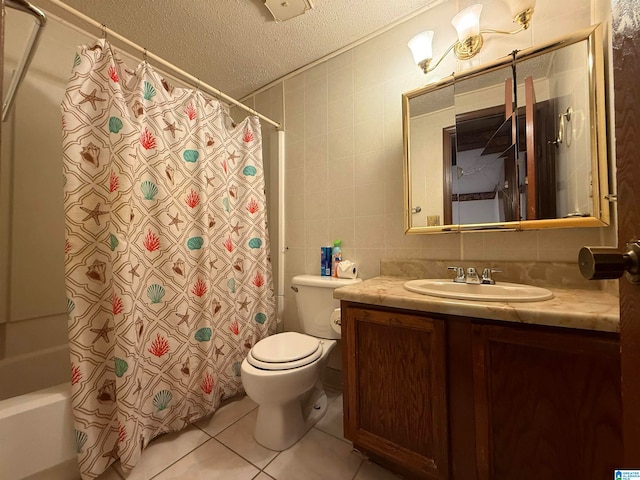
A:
283,373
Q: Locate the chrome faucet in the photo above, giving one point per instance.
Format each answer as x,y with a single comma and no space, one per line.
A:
472,276
460,278
486,276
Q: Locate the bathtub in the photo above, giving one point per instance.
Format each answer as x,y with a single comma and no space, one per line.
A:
36,428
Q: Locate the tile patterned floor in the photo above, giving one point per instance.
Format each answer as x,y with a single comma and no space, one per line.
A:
222,447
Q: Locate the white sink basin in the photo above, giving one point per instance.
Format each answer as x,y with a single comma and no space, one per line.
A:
500,292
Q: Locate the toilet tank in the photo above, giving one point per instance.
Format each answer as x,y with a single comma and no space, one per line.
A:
315,302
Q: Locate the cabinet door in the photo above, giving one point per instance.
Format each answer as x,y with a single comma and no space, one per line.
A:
548,404
395,391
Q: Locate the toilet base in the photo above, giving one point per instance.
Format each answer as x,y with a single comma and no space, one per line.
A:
279,426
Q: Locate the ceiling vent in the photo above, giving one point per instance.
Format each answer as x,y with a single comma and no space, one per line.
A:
283,10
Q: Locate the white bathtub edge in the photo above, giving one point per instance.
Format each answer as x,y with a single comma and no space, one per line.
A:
37,432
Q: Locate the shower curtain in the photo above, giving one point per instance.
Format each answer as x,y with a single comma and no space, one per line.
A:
168,273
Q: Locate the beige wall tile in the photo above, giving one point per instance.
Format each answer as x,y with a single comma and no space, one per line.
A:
315,149
341,113
294,153
343,229
341,83
315,93
368,71
340,204
368,135
340,173
317,235
368,261
295,207
369,232
295,234
315,178
369,199
369,168
315,120
294,182
341,143
368,103
340,61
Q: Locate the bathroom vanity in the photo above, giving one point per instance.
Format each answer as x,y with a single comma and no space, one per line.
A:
450,389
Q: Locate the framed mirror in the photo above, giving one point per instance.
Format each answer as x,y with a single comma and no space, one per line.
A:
517,144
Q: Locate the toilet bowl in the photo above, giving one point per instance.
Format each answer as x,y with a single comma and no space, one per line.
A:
290,398
283,373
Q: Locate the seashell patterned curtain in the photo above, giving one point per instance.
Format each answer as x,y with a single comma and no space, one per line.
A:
168,273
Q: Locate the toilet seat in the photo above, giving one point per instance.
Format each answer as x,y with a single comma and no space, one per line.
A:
285,351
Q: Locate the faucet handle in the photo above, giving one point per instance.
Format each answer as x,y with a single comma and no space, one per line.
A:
460,277
472,275
486,276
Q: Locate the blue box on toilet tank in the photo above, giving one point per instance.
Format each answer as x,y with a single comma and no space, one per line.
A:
325,261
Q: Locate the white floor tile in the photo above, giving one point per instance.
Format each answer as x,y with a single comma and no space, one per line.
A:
371,471
239,438
331,423
211,461
165,450
317,456
227,414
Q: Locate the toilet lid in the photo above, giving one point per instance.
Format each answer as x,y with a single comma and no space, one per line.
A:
285,351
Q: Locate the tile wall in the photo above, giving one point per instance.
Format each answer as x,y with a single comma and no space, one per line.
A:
343,123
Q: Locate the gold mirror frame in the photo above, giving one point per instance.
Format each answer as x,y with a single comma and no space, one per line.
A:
598,138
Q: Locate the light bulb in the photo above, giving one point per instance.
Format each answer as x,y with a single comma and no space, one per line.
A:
467,22
421,47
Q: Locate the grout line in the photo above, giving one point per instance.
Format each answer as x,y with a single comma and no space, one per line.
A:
182,457
245,459
355,475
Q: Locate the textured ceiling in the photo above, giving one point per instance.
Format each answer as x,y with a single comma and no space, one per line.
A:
236,45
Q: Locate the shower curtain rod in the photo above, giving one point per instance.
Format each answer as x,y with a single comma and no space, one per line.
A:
187,76
23,66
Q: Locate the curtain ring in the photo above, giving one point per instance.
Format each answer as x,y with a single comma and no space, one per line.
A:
144,56
104,31
198,85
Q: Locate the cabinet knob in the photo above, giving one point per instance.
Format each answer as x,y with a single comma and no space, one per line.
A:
598,263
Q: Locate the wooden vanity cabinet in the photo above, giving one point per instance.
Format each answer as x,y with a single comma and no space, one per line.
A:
395,395
445,397
547,403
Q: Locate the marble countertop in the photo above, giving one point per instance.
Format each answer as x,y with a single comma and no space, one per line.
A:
571,308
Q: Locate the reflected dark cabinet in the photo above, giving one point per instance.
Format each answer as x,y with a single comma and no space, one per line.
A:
442,397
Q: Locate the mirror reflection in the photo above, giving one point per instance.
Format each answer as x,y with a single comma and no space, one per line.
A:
516,144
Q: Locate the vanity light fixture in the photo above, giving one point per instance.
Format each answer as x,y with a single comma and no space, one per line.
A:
467,25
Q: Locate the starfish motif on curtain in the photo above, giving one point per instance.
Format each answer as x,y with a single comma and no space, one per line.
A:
209,180
92,98
113,453
184,318
236,229
218,351
102,332
171,127
232,156
174,220
95,213
134,272
244,304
